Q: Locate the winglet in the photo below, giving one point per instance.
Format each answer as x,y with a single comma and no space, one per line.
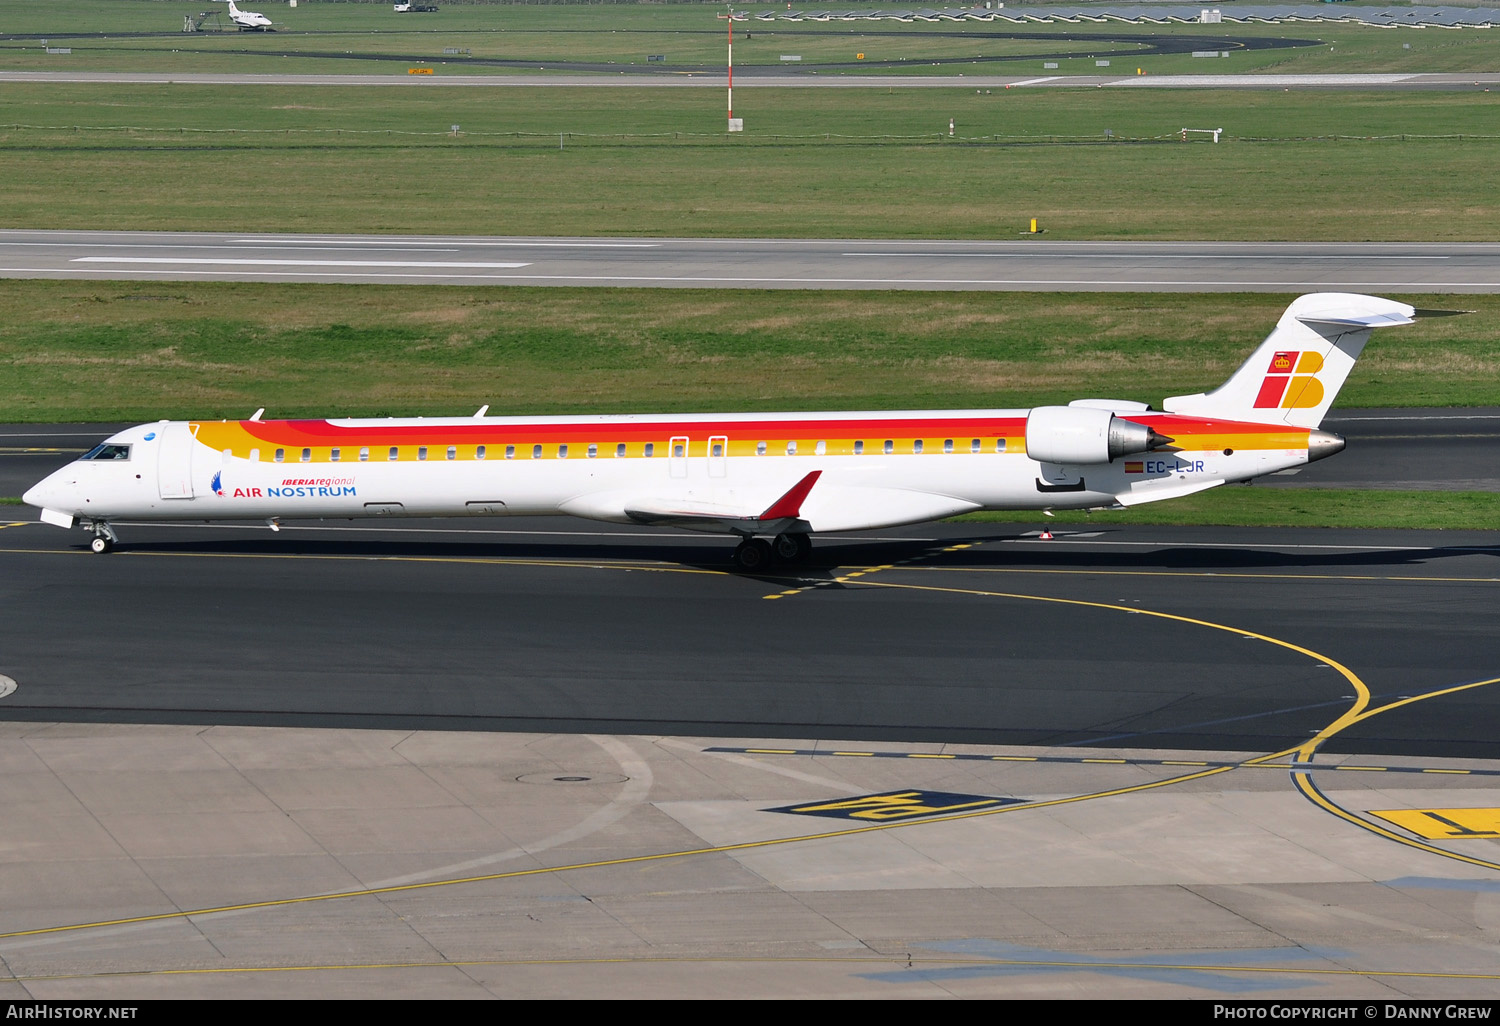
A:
789,506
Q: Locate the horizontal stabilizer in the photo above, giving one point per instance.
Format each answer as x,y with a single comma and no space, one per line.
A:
1374,320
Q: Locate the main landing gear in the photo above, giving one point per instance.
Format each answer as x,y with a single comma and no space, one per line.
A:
104,538
755,555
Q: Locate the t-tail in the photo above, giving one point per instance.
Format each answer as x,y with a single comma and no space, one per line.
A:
1298,370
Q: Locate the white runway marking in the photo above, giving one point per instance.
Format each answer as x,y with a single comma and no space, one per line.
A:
300,247
292,263
468,242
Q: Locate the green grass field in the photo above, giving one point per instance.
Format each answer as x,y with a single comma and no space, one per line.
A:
812,163
644,161
138,351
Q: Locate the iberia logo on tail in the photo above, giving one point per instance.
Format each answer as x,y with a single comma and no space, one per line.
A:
1291,382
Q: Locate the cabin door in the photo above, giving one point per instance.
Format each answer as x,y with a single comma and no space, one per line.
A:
677,457
174,461
718,456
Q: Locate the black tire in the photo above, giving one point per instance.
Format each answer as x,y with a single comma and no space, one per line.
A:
100,544
792,547
752,556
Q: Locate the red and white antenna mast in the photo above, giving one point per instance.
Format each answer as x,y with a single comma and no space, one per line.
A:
734,125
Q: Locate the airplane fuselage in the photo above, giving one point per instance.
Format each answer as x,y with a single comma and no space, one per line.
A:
875,469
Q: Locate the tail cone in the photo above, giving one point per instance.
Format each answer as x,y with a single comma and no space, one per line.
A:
1321,444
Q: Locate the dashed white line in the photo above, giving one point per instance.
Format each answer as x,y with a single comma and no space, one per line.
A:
427,264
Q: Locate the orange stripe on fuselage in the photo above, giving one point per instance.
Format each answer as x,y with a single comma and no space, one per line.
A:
1189,434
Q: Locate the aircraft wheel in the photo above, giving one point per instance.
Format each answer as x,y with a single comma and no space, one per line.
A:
753,555
793,547
100,544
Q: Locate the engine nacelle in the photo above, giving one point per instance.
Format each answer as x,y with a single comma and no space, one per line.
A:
1074,434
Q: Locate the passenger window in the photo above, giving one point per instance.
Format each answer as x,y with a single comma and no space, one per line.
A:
791,448
254,455
650,449
421,452
620,449
679,450
395,453
890,446
453,452
718,449
974,445
280,455
510,452
947,445
760,448
999,445
562,452
821,447
479,453
364,454
306,455
536,452
916,446
333,455
859,447
593,450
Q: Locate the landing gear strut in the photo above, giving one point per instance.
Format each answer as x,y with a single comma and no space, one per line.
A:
104,538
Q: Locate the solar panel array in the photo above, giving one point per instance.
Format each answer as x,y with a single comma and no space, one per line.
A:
1384,17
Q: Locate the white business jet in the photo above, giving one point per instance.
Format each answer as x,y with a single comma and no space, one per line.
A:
248,21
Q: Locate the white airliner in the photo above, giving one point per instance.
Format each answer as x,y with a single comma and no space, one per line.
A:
248,21
771,479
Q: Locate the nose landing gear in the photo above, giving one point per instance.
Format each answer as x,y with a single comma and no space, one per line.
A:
104,538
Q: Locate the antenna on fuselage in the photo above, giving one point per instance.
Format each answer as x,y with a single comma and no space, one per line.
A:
482,411
257,413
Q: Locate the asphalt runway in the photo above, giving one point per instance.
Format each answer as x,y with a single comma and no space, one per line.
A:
554,626
1016,265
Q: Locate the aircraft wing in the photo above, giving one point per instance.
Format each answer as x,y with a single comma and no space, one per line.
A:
803,508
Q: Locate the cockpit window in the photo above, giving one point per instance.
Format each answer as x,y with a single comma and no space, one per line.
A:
107,451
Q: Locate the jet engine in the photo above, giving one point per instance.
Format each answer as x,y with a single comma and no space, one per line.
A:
1072,434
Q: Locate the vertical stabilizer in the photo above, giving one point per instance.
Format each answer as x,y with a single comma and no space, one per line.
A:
1298,370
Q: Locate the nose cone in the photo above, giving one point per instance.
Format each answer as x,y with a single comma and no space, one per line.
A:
51,492
36,495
